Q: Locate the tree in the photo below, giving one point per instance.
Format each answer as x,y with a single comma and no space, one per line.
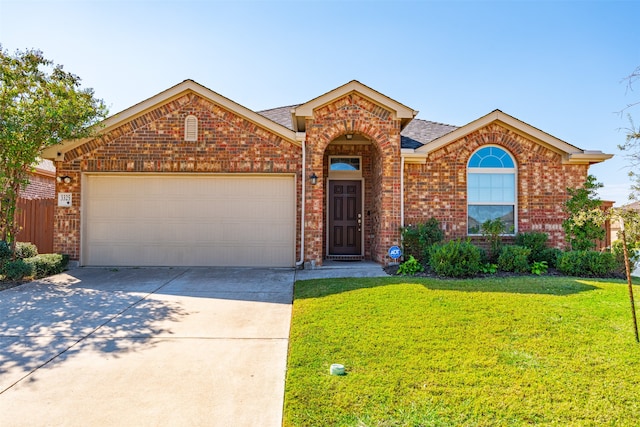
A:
581,232
632,143
40,105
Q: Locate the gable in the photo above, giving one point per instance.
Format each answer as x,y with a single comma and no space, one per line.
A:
159,105
374,102
570,154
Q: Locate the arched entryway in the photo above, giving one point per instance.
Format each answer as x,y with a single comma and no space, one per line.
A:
351,165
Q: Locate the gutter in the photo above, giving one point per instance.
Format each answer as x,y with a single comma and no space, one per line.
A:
402,191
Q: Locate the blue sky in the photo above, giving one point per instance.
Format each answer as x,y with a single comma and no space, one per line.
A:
557,65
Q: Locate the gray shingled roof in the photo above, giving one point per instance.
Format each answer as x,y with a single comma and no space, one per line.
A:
280,115
417,133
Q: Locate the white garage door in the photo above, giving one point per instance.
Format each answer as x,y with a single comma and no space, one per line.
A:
189,220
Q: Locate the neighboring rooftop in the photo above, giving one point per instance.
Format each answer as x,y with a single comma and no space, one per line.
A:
417,133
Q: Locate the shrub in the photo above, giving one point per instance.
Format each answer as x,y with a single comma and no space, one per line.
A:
587,263
550,255
618,253
26,250
410,267
514,258
536,241
16,270
492,231
418,239
456,258
47,264
5,251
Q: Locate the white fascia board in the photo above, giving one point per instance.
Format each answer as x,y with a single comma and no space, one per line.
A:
411,156
588,157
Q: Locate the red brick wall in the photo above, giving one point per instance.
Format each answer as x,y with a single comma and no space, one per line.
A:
439,187
154,142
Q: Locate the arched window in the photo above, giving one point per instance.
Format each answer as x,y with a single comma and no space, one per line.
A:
491,189
191,128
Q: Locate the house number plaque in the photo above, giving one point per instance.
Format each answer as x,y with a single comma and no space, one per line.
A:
64,199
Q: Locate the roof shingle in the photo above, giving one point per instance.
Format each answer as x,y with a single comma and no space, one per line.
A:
417,133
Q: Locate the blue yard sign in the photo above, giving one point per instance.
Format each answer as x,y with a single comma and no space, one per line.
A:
395,252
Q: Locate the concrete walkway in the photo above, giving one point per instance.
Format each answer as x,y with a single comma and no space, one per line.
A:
336,269
149,346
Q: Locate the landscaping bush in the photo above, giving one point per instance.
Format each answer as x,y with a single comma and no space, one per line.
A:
418,239
410,267
492,231
550,255
26,250
514,258
536,241
587,263
5,252
456,258
618,253
47,264
16,270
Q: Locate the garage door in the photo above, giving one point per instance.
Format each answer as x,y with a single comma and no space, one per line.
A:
189,220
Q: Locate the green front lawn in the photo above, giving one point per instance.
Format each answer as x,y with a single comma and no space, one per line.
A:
483,352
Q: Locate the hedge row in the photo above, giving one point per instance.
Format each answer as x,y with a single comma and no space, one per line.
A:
29,263
529,254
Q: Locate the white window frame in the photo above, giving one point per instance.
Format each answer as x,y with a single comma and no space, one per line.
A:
506,171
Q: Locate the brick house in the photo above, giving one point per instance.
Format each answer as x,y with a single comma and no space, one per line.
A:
189,177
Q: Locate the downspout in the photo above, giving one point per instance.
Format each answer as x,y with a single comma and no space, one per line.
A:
402,191
303,197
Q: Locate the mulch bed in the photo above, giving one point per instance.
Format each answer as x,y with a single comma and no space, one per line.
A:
393,270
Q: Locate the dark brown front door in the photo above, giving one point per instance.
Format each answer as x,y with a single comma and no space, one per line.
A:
345,217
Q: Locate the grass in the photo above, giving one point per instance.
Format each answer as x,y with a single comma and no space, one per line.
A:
484,352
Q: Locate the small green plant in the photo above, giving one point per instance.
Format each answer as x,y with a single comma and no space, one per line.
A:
456,258
410,267
539,267
514,258
492,230
488,268
418,239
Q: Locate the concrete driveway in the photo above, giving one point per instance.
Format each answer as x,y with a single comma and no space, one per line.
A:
148,346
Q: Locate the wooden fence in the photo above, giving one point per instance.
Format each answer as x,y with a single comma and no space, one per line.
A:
35,216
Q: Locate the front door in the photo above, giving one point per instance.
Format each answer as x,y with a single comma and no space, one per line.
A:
345,217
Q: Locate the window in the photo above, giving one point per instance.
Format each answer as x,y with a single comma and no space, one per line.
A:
491,189
191,128
344,163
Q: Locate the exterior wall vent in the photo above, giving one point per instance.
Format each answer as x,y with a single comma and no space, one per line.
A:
191,128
